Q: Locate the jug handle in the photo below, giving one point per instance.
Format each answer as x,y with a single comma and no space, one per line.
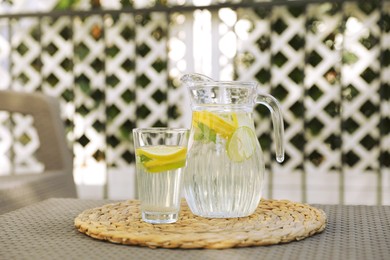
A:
277,120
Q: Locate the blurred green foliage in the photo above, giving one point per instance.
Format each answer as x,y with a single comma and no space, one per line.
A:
66,4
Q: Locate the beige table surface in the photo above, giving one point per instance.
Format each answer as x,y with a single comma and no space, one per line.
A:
45,231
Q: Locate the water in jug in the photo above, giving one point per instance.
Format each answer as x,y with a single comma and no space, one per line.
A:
225,167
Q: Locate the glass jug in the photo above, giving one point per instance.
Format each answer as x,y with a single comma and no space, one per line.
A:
225,166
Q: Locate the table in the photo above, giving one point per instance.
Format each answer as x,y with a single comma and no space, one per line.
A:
45,231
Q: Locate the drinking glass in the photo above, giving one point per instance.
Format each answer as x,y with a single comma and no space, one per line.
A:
160,160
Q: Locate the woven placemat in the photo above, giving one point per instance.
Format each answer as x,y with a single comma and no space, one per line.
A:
274,221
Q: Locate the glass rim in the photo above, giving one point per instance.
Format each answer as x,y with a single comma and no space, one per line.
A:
226,84
160,130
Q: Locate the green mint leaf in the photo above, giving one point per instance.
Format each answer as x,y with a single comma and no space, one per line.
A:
198,136
207,134
144,158
213,136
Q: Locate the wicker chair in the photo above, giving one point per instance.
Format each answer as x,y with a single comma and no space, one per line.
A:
19,190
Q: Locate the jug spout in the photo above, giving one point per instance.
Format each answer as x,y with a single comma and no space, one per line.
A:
191,78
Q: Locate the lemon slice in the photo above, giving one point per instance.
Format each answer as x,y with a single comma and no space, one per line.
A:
167,167
161,151
161,158
242,145
216,123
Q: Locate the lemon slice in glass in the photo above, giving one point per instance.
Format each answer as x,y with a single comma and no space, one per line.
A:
162,158
242,144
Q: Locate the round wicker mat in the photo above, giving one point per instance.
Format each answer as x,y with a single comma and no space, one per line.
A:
274,221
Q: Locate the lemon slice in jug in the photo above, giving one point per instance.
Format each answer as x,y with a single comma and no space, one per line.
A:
162,158
219,125
242,144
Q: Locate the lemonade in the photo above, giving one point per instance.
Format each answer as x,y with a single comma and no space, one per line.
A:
224,173
160,159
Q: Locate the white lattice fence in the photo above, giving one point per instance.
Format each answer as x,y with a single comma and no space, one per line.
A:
361,108
322,102
341,68
121,88
327,63
385,104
